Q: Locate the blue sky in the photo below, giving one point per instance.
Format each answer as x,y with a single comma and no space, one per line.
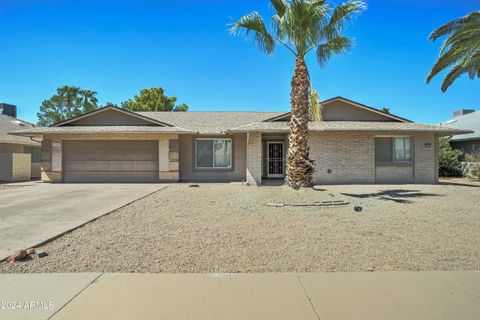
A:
118,47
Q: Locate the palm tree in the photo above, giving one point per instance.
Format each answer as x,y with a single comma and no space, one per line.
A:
301,26
460,51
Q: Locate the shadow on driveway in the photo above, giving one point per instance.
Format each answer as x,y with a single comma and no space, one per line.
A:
396,195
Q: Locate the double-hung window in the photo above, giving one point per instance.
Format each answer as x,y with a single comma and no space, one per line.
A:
402,149
213,153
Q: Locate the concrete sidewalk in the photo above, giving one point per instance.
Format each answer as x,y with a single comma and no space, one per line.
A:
379,295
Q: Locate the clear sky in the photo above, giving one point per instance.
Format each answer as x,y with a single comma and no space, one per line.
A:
118,47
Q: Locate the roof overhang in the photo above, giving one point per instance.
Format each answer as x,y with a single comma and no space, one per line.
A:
39,132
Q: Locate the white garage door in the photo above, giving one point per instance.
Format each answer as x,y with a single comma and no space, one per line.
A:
110,161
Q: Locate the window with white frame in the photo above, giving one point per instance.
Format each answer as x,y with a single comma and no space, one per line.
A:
402,149
213,153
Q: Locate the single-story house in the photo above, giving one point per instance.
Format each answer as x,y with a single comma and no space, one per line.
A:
19,156
353,144
465,119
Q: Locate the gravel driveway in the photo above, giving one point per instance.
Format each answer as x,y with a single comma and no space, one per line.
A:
228,228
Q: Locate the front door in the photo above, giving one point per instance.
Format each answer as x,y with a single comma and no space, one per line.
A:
275,162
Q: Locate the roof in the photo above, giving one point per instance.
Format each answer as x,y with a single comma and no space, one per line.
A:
39,131
9,124
469,121
355,126
210,122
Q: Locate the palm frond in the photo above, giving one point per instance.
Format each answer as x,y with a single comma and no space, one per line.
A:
453,25
453,75
449,58
342,15
338,45
253,23
280,7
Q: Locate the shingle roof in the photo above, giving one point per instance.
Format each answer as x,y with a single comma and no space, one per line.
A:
348,126
470,121
210,122
38,131
9,124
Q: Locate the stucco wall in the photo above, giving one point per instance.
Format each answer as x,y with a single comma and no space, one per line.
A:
187,160
111,117
343,111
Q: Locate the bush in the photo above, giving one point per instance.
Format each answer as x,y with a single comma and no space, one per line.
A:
449,160
473,160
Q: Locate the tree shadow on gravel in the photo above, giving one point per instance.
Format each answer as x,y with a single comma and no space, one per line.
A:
395,195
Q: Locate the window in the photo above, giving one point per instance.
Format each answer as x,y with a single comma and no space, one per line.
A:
392,149
402,149
213,153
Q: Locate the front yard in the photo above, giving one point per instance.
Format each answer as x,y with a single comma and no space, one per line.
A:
229,228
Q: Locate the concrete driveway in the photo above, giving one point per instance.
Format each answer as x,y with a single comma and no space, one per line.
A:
31,213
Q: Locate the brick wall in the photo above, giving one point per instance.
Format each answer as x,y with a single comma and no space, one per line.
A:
15,166
350,158
254,159
425,158
168,157
342,157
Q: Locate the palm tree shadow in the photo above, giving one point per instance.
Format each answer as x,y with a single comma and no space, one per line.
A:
395,195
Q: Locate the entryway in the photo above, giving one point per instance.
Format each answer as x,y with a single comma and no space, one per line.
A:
275,159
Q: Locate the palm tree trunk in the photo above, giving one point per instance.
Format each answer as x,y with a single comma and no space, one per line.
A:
299,166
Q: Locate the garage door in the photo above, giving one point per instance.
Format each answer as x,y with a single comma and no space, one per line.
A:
110,161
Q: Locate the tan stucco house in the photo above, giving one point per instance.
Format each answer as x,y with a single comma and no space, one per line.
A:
353,144
19,156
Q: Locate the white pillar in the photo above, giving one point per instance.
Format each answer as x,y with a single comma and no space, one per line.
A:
254,159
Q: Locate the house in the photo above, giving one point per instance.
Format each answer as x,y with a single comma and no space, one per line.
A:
19,156
465,119
354,143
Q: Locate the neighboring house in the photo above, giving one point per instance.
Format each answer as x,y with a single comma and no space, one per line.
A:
353,144
19,156
466,120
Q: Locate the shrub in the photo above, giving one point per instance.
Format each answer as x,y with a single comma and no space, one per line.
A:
473,160
449,160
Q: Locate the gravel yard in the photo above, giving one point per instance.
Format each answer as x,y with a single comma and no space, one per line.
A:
229,228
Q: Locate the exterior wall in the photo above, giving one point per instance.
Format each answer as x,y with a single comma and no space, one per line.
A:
110,118
466,146
343,111
350,158
342,157
52,153
169,168
254,159
15,167
394,174
11,148
426,158
188,172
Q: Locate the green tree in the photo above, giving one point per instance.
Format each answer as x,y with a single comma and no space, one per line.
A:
460,51
67,103
153,99
301,26
449,160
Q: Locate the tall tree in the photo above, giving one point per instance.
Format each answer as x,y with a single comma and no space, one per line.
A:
460,51
301,26
67,103
153,99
